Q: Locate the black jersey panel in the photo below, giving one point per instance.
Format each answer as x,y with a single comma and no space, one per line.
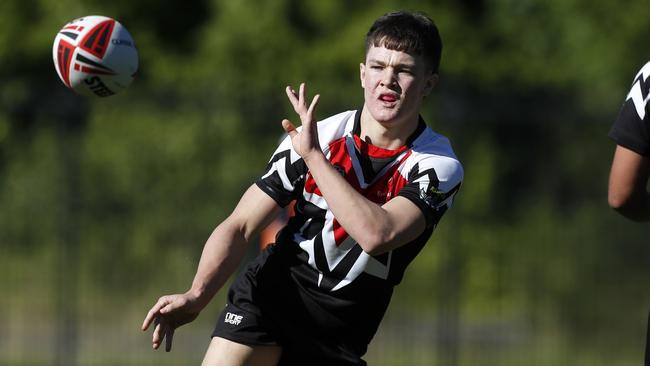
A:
632,126
280,174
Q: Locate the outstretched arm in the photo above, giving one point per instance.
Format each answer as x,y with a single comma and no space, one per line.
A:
376,228
221,255
628,180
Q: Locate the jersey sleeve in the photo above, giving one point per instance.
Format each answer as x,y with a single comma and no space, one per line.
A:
432,186
284,176
632,126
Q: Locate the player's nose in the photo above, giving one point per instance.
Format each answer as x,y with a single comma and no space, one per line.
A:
388,77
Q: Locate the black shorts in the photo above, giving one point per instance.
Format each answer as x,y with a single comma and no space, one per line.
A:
267,307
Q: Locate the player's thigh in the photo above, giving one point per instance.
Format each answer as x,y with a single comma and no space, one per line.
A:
223,352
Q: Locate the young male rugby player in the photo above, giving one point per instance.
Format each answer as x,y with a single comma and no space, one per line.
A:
369,185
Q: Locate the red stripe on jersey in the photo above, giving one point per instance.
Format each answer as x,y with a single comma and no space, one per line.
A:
375,151
389,185
395,184
340,159
385,188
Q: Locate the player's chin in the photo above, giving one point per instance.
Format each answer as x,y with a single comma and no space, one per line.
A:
386,115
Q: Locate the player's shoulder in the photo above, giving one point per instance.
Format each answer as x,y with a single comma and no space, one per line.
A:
342,119
434,145
433,150
336,126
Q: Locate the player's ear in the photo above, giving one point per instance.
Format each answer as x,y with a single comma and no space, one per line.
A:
362,74
430,83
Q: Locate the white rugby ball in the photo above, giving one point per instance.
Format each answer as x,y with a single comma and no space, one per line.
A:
95,56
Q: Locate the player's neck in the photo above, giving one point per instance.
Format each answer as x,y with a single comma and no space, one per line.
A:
386,135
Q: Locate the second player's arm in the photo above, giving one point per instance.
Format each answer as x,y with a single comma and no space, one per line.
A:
628,180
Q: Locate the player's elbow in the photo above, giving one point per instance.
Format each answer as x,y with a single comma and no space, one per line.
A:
377,243
374,249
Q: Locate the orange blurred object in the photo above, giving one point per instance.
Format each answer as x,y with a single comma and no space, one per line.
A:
267,236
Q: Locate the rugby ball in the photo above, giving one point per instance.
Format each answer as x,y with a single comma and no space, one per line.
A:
95,56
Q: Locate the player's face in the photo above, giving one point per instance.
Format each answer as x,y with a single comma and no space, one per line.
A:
395,83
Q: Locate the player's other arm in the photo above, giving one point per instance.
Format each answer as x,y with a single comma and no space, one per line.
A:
628,179
221,255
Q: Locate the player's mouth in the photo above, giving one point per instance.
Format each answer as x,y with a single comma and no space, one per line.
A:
388,98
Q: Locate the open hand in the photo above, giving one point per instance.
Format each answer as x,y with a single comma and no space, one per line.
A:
169,313
304,142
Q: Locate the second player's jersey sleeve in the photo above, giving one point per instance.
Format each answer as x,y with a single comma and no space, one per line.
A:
432,184
284,176
632,126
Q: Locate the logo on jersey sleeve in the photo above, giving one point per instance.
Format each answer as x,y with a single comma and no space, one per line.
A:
433,197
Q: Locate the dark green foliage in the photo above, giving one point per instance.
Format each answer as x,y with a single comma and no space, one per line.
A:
132,185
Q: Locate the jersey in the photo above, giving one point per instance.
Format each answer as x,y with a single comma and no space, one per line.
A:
331,269
632,126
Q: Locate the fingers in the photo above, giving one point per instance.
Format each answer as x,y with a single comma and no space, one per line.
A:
298,100
172,305
164,330
289,128
314,103
155,310
169,336
156,338
293,97
164,323
301,94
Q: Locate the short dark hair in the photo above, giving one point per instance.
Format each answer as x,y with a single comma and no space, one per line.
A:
410,32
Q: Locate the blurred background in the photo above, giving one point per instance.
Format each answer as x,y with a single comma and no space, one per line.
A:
105,203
